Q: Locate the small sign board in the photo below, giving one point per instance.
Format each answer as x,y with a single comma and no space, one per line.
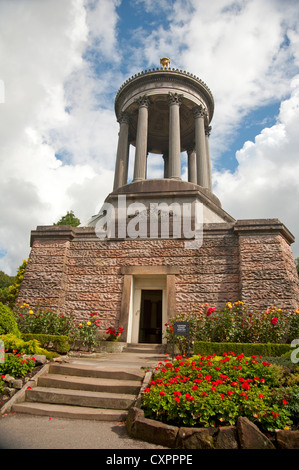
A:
181,328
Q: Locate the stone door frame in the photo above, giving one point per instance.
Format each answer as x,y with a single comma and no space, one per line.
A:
137,278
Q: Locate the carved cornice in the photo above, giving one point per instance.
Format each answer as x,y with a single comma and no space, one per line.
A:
165,75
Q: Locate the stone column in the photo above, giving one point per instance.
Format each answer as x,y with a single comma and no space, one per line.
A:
174,136
200,145
141,139
207,132
192,165
122,156
166,162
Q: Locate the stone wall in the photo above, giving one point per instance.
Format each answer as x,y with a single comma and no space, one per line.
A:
72,271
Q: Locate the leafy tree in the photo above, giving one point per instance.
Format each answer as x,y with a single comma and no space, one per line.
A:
13,289
5,280
69,219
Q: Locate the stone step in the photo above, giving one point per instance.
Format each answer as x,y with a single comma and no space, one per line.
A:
65,411
95,371
90,383
115,401
145,348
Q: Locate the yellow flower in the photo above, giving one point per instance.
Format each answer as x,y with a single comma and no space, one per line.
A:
30,312
80,325
228,304
297,310
286,428
88,323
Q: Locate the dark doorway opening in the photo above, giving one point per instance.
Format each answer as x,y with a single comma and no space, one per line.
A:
150,327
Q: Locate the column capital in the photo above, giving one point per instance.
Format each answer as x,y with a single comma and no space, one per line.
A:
199,112
123,117
191,149
175,98
208,130
143,101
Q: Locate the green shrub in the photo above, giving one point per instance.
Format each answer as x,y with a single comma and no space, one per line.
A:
13,289
212,391
293,403
43,321
58,343
249,349
12,343
8,324
16,366
235,323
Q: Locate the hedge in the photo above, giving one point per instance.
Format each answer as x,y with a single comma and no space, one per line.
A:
58,343
8,324
249,349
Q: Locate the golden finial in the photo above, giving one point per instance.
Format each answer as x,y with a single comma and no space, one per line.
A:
165,62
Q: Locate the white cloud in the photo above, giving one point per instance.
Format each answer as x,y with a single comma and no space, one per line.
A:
238,48
266,184
57,136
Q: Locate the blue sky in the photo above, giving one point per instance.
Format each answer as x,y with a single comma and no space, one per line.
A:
62,63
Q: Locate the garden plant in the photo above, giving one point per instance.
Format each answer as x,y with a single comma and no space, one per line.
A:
215,390
236,323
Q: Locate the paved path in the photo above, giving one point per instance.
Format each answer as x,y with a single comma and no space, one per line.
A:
18,431
40,432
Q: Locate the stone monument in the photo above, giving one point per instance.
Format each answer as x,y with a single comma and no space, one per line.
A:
160,246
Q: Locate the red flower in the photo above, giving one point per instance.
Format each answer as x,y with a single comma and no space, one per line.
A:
147,390
210,311
162,393
284,402
222,396
274,321
275,414
246,386
203,394
244,395
261,396
177,399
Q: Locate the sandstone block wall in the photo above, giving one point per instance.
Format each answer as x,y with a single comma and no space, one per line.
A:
70,270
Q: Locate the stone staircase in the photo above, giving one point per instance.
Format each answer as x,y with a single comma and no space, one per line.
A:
82,392
102,389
